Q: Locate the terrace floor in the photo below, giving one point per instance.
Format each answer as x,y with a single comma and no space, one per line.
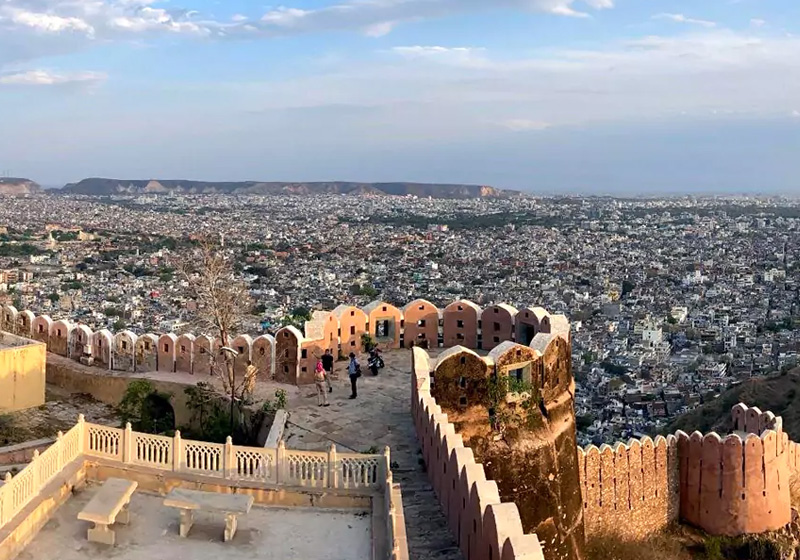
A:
267,533
380,416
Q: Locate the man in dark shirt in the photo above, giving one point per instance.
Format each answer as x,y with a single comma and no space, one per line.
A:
327,364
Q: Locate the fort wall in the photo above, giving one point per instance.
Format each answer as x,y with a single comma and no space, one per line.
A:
291,355
739,484
483,526
630,489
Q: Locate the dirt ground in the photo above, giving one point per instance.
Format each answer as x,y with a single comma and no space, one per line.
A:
60,412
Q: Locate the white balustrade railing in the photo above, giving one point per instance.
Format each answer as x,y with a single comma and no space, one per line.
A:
312,469
17,492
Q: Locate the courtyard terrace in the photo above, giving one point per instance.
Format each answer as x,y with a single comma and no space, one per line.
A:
297,533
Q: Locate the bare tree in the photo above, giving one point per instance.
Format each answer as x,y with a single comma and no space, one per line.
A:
223,300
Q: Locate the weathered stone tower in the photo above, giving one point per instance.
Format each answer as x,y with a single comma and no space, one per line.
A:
514,409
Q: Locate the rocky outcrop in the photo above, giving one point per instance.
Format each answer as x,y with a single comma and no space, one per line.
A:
18,186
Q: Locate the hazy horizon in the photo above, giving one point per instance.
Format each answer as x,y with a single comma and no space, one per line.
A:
561,96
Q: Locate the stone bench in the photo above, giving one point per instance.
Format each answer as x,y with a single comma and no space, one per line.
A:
231,505
108,506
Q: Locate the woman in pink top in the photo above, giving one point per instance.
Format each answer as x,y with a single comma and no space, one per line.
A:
319,381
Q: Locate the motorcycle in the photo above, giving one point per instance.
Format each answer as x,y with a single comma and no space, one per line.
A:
375,361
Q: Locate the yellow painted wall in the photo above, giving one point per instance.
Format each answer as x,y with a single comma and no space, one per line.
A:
22,376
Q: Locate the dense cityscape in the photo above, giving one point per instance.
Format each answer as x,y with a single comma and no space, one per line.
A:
670,300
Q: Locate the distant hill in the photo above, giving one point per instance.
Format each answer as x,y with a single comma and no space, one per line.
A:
780,395
105,187
16,186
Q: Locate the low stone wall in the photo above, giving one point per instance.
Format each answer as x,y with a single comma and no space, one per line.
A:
23,452
396,520
631,489
483,526
17,533
108,388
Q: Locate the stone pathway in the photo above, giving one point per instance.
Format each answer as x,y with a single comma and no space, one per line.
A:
379,417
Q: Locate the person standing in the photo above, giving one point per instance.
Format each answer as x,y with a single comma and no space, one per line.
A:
327,363
319,381
354,370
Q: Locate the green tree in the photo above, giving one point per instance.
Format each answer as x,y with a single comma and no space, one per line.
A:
367,341
141,406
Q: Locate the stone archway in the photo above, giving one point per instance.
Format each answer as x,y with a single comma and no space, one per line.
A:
158,416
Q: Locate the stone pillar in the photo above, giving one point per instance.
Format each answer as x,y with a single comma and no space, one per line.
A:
177,451
332,467
127,443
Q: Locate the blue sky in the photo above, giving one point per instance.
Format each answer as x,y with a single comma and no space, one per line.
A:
600,96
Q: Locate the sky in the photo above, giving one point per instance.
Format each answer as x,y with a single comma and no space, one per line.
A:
546,96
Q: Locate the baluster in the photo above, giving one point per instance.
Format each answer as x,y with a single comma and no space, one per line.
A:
81,434
177,451
280,459
35,474
127,443
332,470
59,451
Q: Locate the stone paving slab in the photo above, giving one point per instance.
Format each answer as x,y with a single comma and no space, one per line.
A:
380,416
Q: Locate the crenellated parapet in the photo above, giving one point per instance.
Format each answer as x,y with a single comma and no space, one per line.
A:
631,488
751,420
736,485
732,485
292,354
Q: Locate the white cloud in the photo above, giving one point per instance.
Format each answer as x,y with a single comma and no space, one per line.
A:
462,91
285,17
46,78
524,125
50,23
448,55
30,29
680,18
378,17
757,22
379,29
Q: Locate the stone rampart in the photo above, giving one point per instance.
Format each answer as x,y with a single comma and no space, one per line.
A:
290,356
483,526
630,489
739,484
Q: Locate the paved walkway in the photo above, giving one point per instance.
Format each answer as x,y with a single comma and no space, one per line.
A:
379,417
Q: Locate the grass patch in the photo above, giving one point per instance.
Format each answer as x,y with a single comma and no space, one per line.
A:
661,546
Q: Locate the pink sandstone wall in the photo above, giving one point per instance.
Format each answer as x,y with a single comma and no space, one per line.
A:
734,486
630,489
740,484
340,333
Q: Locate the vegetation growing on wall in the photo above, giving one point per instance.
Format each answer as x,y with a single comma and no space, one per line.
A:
147,409
367,342
522,411
210,419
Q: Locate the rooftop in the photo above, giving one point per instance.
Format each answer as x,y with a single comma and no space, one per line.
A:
265,532
8,340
